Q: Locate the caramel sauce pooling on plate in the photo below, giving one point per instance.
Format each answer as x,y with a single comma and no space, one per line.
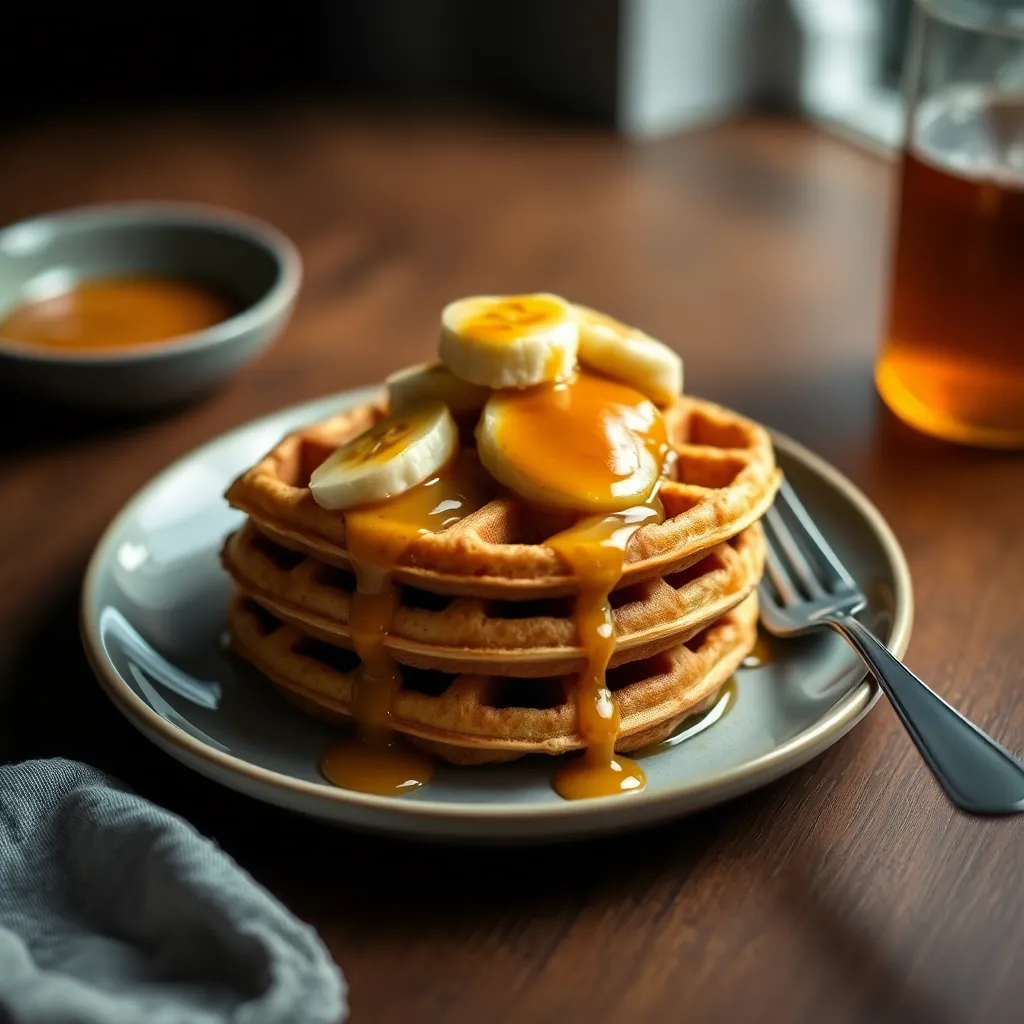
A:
695,724
376,759
117,313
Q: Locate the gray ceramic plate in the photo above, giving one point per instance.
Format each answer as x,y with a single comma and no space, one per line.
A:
153,622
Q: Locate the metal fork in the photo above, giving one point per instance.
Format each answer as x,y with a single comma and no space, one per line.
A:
806,586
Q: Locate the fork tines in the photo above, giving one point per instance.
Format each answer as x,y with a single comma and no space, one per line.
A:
800,563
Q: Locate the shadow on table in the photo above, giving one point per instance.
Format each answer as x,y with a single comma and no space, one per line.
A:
869,968
31,425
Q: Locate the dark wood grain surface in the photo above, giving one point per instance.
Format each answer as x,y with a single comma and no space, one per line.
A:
848,891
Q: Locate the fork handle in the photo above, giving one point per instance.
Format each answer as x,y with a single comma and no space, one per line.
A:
978,775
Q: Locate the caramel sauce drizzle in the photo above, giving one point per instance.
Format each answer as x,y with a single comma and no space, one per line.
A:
580,442
377,759
596,550
502,323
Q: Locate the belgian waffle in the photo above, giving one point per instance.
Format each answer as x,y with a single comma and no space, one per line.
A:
723,480
475,719
512,638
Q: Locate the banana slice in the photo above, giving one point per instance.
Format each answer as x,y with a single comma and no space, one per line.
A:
510,341
395,454
629,355
432,381
592,445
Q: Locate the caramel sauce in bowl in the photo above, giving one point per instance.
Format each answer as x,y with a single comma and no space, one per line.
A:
135,305
120,312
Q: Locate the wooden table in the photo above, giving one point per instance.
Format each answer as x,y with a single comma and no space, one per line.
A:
849,890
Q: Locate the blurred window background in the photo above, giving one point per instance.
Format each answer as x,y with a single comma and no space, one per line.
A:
648,67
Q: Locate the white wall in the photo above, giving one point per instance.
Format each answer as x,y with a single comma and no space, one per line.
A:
683,62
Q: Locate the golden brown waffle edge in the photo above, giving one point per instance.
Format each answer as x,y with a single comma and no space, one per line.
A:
473,719
517,638
726,479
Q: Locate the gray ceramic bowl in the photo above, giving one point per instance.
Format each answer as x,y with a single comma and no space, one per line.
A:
246,258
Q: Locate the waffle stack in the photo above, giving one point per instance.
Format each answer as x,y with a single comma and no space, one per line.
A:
484,632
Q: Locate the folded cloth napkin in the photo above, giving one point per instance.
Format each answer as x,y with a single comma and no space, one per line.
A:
114,910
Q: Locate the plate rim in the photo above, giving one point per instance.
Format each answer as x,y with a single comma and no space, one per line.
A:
842,717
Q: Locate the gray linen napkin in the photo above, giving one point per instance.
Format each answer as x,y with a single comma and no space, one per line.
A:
114,910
